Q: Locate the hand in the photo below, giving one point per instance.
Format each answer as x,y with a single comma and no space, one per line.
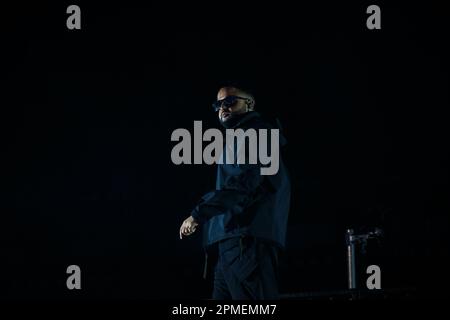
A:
188,227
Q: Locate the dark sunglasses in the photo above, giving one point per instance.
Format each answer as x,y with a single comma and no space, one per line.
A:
226,102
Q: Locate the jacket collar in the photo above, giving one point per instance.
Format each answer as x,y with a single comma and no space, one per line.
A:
249,115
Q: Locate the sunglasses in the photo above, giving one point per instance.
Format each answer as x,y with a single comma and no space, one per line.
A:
226,102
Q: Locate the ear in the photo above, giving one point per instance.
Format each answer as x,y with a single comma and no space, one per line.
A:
250,104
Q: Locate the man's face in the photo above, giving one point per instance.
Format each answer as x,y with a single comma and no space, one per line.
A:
240,106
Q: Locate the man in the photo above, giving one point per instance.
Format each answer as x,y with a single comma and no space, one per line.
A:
244,220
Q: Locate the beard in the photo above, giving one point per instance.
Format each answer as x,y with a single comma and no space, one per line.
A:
232,120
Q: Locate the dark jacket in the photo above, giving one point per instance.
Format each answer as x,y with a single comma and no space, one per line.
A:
246,202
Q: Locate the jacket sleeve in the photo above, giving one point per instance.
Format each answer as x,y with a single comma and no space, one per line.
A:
239,192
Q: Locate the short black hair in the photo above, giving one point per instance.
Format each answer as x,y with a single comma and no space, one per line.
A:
243,85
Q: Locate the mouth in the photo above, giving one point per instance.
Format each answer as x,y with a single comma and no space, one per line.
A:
225,115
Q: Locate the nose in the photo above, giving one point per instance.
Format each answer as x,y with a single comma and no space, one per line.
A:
224,107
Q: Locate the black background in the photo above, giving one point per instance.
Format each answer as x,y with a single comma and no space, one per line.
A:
87,117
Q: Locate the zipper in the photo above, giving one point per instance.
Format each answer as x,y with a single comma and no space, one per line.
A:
241,246
205,268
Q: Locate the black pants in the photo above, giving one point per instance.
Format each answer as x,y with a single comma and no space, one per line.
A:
246,269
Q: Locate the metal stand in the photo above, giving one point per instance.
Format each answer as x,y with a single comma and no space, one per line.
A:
352,240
